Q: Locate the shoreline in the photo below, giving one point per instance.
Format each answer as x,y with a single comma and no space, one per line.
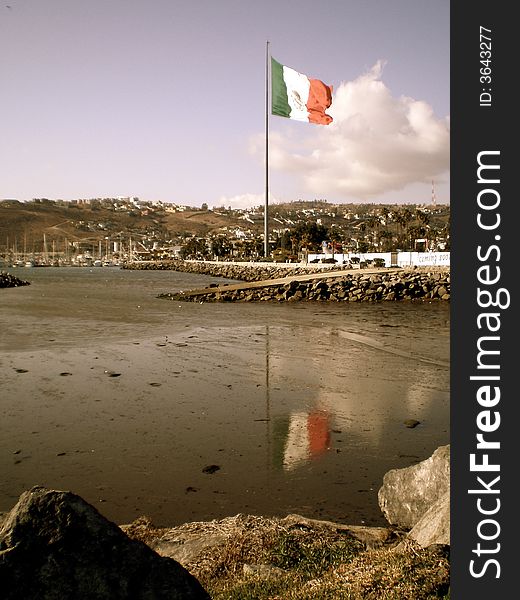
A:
246,556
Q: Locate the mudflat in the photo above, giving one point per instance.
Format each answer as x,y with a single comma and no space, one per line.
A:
196,412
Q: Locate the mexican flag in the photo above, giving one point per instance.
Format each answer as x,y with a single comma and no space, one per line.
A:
297,97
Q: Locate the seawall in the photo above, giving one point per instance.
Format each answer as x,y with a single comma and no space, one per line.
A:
246,271
298,283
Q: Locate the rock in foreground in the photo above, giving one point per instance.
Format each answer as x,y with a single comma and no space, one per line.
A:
54,545
407,494
434,526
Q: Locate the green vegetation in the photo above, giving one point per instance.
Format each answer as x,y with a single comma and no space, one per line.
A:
296,551
306,566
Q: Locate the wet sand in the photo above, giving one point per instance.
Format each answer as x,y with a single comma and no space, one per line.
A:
300,408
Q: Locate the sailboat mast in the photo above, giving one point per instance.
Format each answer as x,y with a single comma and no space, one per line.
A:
45,252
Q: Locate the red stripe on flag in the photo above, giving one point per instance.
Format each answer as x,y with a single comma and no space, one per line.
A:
320,98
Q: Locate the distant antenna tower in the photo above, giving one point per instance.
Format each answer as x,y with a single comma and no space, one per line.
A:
434,201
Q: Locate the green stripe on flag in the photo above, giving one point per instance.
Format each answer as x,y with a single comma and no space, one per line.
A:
279,102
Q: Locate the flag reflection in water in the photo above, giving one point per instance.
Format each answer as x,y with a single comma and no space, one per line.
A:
304,436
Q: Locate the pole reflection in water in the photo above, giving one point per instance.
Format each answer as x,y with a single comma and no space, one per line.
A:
298,436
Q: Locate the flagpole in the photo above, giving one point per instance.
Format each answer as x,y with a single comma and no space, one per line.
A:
266,208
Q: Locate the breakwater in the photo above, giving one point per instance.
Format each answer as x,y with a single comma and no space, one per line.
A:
240,271
7,280
341,287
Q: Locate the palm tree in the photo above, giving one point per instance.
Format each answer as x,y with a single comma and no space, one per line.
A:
385,215
386,237
415,232
423,217
374,223
404,216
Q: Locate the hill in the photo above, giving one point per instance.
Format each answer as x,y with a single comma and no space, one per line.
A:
26,226
42,225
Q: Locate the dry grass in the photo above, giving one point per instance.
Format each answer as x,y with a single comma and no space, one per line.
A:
281,559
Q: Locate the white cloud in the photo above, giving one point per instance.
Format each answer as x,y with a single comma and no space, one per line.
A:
240,201
376,143
244,201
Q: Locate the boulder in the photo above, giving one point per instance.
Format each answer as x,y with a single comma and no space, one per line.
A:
54,545
406,494
434,526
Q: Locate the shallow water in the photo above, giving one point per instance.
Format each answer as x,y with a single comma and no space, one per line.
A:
125,398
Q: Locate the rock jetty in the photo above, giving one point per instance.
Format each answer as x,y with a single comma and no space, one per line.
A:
371,285
239,271
7,280
356,287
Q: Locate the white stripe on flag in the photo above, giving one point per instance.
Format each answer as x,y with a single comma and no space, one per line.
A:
298,86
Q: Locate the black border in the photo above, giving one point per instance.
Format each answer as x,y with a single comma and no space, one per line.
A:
476,128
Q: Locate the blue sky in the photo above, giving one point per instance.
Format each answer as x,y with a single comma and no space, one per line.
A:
165,100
